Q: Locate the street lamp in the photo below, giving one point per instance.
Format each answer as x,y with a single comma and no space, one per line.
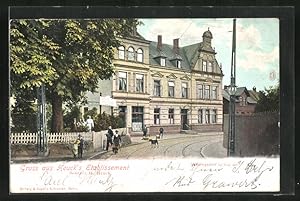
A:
42,143
231,91
231,132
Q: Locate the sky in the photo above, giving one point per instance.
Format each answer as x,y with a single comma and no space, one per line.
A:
257,44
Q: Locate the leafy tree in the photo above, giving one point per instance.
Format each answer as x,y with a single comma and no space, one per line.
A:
92,113
67,56
268,100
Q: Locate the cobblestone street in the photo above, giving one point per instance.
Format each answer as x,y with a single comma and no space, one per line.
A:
180,146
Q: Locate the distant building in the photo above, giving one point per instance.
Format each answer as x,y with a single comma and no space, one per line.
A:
162,85
245,103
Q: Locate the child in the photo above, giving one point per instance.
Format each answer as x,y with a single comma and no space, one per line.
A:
75,147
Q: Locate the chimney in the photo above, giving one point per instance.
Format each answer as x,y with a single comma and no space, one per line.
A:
254,88
159,42
176,45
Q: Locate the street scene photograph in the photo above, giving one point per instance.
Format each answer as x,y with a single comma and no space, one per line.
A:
88,92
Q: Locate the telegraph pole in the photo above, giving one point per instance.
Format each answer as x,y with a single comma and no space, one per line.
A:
232,90
42,144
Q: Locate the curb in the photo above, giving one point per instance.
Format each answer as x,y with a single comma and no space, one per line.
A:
203,150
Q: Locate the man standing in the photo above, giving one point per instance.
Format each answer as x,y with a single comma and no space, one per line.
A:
109,136
145,130
161,132
80,146
90,123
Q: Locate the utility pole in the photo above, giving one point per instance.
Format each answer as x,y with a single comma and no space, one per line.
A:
232,90
42,143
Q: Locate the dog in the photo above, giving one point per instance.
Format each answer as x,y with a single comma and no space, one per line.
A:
154,142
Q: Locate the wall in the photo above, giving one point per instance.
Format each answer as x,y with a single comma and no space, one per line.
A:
256,134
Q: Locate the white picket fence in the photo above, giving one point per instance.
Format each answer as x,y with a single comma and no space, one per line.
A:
98,138
31,138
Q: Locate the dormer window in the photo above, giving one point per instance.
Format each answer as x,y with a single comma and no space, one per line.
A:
121,52
163,61
130,54
178,63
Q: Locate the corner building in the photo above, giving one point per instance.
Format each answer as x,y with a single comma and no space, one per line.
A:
162,85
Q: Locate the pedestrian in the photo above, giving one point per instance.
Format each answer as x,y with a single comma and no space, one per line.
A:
80,146
161,132
90,123
109,136
117,141
75,147
145,129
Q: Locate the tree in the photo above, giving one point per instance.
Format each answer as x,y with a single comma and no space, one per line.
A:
67,56
268,100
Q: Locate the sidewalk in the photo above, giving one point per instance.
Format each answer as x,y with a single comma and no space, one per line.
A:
214,150
211,150
138,139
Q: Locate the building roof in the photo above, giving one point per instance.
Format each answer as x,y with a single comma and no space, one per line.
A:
250,100
168,52
188,55
239,92
254,95
207,34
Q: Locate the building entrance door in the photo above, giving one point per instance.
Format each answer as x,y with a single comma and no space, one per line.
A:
184,119
137,119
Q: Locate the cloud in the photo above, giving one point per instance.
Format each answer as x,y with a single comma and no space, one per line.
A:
189,31
248,37
263,61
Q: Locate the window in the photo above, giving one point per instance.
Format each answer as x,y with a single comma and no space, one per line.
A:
206,92
139,83
214,92
122,81
200,91
163,61
156,115
171,116
178,63
207,116
184,90
204,65
241,101
140,56
209,68
156,88
121,52
200,116
213,116
131,54
171,88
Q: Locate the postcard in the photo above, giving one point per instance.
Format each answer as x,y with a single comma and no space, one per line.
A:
144,105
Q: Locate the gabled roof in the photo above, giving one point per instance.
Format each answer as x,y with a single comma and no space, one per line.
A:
238,93
167,51
250,100
241,90
254,95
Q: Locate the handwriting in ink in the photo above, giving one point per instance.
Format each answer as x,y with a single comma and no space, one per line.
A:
181,181
107,182
170,166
